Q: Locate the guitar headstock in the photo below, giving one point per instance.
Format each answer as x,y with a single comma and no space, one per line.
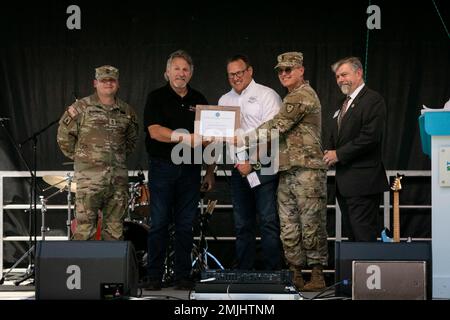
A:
396,185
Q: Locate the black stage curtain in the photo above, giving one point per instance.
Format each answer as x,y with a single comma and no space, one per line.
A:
44,66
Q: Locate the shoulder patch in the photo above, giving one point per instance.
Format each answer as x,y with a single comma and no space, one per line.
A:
72,111
289,108
67,120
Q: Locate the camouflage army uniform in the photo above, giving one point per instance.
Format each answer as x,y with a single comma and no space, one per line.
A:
99,138
302,187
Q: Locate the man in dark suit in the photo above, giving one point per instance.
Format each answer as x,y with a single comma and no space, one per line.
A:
355,150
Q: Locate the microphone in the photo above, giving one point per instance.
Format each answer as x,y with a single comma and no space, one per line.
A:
74,95
5,119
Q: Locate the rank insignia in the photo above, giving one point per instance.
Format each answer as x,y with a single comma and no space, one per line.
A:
67,120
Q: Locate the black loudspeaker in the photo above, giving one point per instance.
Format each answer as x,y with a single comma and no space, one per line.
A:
348,252
85,270
389,280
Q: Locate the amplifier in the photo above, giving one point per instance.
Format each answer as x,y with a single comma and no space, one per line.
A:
348,252
87,270
389,280
282,277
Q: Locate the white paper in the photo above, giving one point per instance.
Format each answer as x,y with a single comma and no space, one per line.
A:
253,179
447,105
241,154
217,123
426,109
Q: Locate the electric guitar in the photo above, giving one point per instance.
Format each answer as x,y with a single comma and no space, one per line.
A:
396,187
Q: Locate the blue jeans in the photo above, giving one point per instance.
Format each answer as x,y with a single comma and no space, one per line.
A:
175,190
247,203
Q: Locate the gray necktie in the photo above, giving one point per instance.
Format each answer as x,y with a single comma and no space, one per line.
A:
343,111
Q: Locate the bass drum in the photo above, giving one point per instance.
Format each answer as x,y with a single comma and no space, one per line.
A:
137,234
141,201
98,233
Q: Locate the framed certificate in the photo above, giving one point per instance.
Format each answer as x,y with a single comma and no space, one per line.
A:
216,121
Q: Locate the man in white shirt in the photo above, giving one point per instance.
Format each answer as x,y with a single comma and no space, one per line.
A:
258,104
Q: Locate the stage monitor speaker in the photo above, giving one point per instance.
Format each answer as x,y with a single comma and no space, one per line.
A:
85,270
389,280
347,252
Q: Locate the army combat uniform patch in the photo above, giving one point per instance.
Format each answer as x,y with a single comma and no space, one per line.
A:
72,111
289,108
67,120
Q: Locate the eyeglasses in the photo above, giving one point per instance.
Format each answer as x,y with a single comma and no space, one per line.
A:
287,70
238,74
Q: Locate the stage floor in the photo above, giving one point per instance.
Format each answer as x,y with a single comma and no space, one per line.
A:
26,291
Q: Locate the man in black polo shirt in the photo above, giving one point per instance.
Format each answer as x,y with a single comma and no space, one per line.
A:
175,188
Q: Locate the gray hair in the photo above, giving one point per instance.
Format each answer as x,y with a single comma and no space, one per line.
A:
179,54
354,62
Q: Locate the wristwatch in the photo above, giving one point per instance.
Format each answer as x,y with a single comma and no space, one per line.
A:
257,166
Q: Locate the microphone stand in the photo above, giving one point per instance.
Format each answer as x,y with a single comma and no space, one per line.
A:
19,152
201,251
33,197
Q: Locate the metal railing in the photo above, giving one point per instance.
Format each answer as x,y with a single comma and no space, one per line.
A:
338,226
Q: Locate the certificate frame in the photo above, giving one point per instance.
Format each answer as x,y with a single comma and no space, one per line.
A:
200,120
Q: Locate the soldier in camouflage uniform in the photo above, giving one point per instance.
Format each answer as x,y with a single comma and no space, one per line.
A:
98,132
303,174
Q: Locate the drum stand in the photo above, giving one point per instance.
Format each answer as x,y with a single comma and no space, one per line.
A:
200,252
67,182
69,204
132,201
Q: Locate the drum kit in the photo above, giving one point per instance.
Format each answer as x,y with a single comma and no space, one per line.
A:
136,225
136,222
137,215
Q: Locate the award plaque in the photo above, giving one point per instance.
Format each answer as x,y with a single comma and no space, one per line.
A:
216,121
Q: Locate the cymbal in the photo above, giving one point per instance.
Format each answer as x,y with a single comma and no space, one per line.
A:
60,182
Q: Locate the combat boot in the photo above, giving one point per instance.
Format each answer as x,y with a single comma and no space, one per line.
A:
317,282
298,278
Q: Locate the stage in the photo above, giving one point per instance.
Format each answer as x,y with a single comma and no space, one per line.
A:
26,291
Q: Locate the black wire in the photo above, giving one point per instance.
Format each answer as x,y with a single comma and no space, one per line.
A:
296,290
328,288
331,295
442,20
